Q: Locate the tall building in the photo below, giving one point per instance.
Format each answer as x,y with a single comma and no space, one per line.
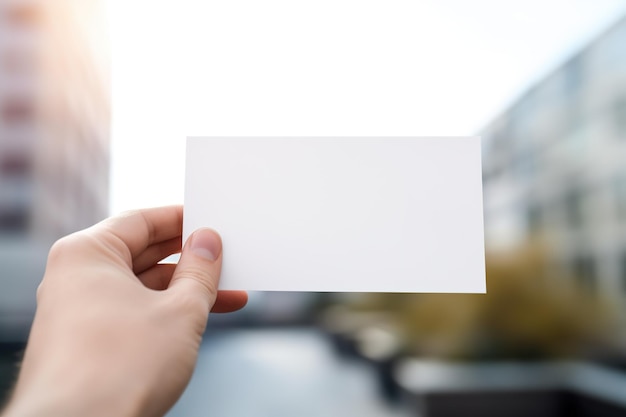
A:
555,166
54,139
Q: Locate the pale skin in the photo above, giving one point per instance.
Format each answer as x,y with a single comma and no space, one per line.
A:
115,332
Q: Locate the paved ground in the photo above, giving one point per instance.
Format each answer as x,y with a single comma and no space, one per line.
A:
266,373
276,373
10,355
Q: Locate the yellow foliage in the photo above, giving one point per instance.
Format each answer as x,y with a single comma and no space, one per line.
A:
531,310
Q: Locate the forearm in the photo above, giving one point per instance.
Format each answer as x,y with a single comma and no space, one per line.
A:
66,399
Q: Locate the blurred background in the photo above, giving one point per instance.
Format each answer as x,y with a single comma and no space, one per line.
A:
543,83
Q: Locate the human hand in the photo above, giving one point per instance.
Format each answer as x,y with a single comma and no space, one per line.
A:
115,332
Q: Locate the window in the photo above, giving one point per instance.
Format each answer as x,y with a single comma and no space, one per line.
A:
620,197
574,208
622,269
499,143
15,165
574,75
534,218
584,268
17,61
17,111
525,165
24,15
14,219
619,114
576,123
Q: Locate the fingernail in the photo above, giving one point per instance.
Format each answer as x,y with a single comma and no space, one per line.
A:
206,243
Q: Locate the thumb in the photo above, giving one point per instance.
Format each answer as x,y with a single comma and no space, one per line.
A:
199,267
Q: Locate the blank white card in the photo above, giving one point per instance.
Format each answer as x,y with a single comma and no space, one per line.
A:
367,214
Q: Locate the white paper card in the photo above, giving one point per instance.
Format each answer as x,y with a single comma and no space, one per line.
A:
343,214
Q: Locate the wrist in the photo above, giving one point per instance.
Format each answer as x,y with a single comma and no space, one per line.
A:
59,400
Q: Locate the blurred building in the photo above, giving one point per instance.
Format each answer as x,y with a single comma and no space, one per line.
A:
54,138
555,166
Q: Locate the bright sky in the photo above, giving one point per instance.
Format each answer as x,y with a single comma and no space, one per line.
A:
321,67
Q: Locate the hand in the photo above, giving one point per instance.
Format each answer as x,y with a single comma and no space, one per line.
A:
115,332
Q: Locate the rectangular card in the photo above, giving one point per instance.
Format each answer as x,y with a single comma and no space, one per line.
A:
363,214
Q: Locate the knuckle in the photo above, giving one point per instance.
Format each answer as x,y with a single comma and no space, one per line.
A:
129,213
39,294
113,222
46,290
203,277
190,310
189,303
61,247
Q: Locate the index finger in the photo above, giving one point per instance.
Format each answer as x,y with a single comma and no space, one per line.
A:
139,229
